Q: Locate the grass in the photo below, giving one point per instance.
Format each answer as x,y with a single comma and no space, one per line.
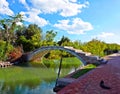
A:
31,77
38,72
66,62
14,77
83,71
23,74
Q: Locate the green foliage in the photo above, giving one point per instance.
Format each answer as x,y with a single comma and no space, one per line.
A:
66,62
31,37
53,54
111,48
33,30
80,73
3,55
48,39
78,44
23,74
50,35
27,44
9,26
96,47
64,41
56,54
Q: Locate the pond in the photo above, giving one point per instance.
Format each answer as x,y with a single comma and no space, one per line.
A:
30,79
42,88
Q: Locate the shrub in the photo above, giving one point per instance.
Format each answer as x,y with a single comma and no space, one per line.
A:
15,54
4,49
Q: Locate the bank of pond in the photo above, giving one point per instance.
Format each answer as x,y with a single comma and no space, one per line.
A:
35,78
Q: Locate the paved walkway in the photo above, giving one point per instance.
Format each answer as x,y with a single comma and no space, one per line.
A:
90,82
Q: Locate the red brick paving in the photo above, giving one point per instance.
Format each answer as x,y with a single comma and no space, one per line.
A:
90,82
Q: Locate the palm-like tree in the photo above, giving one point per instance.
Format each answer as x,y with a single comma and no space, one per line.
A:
8,27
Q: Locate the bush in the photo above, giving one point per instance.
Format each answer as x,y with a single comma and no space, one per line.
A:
15,54
4,49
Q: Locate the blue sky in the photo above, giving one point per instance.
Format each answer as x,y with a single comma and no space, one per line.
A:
77,19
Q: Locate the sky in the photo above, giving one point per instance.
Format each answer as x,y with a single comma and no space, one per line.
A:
81,20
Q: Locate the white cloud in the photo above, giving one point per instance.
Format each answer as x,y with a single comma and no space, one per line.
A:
74,26
19,23
32,17
108,37
4,8
105,35
73,0
64,7
24,3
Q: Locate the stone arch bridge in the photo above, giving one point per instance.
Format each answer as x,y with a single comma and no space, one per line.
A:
84,57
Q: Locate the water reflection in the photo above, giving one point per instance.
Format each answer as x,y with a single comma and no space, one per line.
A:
32,86
43,88
46,88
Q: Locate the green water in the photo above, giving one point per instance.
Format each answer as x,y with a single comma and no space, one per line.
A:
33,79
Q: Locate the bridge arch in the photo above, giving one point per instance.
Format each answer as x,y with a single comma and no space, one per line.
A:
48,48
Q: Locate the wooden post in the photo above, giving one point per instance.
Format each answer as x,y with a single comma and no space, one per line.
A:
59,71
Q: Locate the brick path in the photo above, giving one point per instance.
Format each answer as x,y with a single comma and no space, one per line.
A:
90,82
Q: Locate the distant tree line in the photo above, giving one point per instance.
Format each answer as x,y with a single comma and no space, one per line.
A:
17,38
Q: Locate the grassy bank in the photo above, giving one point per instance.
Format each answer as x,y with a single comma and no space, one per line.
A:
66,62
22,74
83,71
38,71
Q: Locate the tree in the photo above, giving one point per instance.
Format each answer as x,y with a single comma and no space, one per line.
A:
95,46
78,44
112,48
31,35
64,41
8,27
49,38
33,30
50,35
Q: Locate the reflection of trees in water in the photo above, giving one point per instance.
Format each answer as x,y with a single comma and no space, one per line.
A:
18,87
33,85
40,88
4,89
